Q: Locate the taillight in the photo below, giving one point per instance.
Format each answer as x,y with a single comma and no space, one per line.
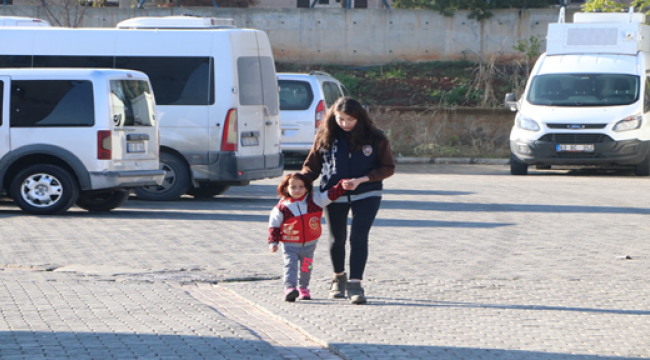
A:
104,145
230,136
320,113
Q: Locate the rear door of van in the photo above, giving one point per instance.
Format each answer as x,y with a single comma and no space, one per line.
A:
257,95
134,135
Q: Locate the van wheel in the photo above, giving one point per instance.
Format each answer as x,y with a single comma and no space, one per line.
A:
207,192
516,167
102,201
44,190
175,184
643,169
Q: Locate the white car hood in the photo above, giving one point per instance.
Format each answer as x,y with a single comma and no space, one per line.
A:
578,115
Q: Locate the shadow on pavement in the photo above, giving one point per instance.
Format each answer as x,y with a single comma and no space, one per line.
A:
380,301
125,346
123,213
477,207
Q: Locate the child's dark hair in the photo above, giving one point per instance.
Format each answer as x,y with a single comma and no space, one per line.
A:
284,184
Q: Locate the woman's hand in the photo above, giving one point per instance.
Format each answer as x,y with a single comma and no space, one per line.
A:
273,247
352,184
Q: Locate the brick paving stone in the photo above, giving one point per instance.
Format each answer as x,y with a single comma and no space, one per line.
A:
464,261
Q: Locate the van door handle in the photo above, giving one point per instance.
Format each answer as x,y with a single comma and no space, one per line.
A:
268,123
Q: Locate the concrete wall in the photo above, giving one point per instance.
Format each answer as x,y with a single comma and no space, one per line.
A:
348,37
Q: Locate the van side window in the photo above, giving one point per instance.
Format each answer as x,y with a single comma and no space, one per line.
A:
646,101
2,94
175,80
250,80
36,103
43,61
14,61
295,95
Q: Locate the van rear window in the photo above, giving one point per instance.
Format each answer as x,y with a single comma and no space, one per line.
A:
295,95
257,82
36,103
132,103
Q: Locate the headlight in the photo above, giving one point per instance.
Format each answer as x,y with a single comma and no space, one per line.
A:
629,123
526,123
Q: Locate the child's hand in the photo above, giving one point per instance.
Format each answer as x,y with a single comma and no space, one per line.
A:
273,247
350,184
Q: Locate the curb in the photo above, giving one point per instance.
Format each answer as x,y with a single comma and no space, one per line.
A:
450,161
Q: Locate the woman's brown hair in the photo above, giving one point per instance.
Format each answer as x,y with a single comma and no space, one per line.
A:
365,131
284,184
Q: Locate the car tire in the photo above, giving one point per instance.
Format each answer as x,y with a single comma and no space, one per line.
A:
44,189
175,184
207,192
102,201
643,169
517,167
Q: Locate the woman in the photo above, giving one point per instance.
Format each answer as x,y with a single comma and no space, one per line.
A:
348,145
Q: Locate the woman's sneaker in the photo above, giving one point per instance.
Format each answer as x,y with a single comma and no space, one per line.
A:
304,294
290,294
356,293
338,286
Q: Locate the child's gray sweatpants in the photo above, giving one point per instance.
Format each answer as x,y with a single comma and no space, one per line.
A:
298,263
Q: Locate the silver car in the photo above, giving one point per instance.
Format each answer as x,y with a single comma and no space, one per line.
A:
304,100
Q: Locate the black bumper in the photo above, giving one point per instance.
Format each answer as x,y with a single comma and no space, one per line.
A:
625,153
242,169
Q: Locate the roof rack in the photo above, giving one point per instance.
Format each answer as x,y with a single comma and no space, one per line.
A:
316,72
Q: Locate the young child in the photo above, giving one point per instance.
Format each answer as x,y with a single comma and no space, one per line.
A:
295,222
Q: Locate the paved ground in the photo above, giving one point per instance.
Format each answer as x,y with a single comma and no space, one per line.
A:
465,262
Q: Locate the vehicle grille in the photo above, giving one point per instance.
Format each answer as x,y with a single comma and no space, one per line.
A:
576,138
582,126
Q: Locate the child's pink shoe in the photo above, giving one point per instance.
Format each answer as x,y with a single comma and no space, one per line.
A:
304,294
290,294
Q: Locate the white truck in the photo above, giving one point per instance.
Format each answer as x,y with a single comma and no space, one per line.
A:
587,101
215,86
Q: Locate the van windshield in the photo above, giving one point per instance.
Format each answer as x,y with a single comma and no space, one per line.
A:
132,103
584,90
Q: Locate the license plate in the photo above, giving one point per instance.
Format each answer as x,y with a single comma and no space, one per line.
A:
250,141
135,147
574,148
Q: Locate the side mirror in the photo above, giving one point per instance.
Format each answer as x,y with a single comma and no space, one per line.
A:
511,102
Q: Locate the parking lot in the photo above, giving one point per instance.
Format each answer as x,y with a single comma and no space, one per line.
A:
466,262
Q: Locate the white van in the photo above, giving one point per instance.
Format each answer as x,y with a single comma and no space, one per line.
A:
81,136
587,101
215,87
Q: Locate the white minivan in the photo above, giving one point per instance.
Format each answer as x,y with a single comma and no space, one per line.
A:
215,87
76,136
587,101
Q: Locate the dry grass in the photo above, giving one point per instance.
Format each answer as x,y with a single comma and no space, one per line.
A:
438,132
